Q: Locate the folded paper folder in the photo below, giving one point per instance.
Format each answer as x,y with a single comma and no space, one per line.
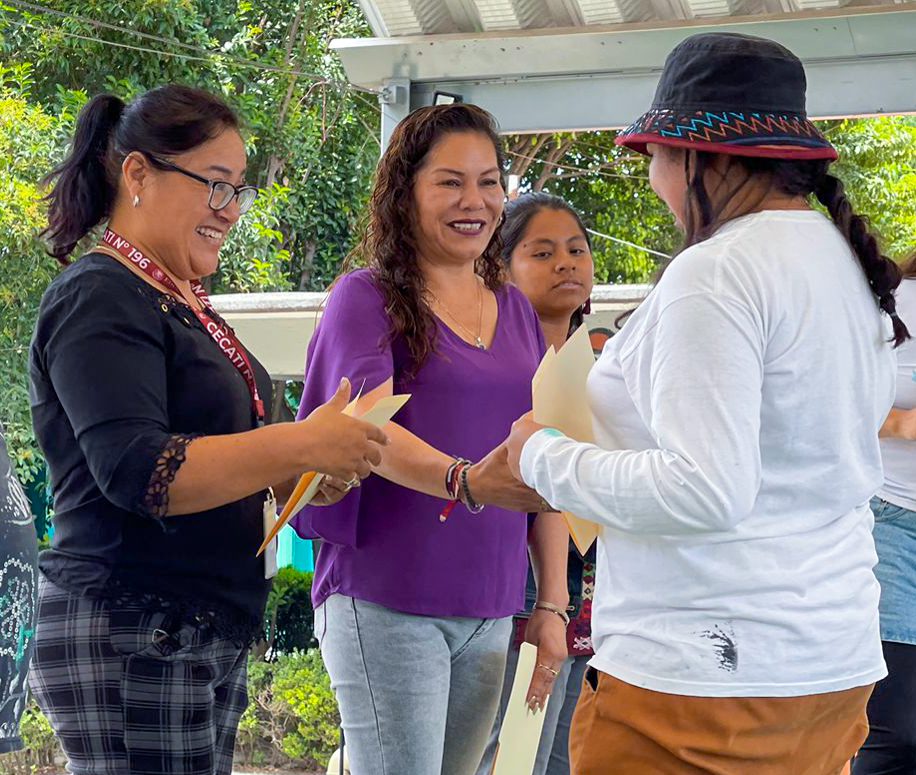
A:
521,728
560,400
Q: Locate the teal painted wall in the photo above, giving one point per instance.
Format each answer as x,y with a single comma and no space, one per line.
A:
294,551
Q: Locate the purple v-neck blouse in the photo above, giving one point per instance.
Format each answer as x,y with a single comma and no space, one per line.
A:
384,543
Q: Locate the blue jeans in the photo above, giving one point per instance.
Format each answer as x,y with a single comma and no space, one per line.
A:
891,745
895,541
417,694
553,748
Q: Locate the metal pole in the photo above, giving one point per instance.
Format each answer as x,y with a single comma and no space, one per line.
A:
395,101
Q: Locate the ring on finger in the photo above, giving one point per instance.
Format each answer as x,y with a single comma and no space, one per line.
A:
354,482
550,670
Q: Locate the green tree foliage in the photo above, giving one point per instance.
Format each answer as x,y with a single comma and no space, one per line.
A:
878,165
312,140
40,747
29,142
289,618
292,716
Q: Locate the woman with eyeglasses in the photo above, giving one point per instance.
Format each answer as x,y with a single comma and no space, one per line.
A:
151,415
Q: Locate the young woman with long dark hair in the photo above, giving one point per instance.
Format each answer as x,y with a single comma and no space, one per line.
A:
891,745
735,619
548,256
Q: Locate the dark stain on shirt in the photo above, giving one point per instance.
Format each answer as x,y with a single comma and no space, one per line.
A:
724,643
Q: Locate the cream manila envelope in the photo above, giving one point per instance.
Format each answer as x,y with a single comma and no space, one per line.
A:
545,362
379,415
521,729
560,400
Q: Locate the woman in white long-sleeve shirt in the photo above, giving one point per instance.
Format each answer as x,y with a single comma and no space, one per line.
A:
735,618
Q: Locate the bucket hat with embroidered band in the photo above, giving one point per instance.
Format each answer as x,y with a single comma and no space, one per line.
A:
735,94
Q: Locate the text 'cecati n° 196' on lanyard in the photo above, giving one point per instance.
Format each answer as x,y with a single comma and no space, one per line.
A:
224,336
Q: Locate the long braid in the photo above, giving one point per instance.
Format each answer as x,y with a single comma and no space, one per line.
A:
883,275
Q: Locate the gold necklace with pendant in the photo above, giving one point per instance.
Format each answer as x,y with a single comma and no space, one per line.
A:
478,342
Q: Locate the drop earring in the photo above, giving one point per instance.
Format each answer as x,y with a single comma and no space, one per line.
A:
137,200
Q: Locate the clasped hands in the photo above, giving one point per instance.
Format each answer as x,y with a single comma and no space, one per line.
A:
495,480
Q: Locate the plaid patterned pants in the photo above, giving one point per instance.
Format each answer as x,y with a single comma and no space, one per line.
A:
129,691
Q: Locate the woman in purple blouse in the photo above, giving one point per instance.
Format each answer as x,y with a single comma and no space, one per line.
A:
413,613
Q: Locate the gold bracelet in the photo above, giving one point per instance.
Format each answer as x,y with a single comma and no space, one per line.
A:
554,609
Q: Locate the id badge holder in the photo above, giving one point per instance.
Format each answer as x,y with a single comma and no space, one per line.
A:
270,519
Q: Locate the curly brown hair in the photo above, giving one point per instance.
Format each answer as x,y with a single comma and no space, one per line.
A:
388,245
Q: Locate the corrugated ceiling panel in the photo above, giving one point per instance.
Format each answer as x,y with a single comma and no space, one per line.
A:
704,8
497,14
399,17
813,5
614,11
412,17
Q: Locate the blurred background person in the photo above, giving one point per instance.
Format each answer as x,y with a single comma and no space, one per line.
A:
548,255
891,745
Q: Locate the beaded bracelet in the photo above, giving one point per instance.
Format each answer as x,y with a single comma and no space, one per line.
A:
453,485
473,506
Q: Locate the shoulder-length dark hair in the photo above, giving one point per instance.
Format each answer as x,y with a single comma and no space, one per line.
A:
164,121
389,245
792,178
519,213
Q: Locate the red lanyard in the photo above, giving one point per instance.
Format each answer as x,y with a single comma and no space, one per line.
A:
219,331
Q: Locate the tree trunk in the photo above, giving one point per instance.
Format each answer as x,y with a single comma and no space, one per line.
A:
305,275
275,164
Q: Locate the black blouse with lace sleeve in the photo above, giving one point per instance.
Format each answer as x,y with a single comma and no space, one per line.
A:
123,379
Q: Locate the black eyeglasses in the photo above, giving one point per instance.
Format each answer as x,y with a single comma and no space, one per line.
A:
221,192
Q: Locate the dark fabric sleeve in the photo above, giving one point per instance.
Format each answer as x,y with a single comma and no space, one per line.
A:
102,346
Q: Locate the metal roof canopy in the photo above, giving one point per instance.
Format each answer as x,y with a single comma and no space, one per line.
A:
860,60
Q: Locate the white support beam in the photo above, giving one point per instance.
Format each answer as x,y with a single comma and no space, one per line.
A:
435,16
394,99
513,14
671,10
859,62
847,87
522,54
277,327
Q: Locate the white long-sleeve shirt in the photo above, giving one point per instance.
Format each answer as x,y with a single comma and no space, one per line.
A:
899,455
736,418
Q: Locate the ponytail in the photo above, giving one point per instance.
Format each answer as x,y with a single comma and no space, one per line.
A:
84,192
883,275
